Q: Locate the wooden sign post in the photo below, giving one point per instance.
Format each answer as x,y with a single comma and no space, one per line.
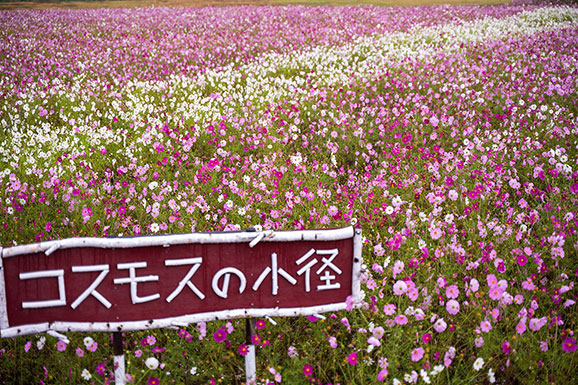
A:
138,283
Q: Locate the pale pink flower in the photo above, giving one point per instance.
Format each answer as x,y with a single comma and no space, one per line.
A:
417,354
61,346
495,293
440,325
373,341
389,309
399,288
452,291
544,346
537,323
378,332
479,341
453,307
474,285
492,280
486,326
401,319
435,233
332,342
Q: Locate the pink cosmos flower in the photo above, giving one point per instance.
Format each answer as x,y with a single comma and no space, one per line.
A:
397,268
536,324
27,346
349,302
101,368
435,233
345,322
486,326
496,293
479,341
61,346
452,291
441,282
453,307
544,346
492,280
520,327
381,376
401,319
332,342
399,288
528,284
412,294
378,332
419,314
373,341
440,325
417,354
93,346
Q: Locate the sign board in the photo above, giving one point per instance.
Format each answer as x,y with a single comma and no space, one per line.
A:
117,284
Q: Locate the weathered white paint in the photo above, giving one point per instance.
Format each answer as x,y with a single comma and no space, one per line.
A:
119,370
3,310
168,322
180,239
251,366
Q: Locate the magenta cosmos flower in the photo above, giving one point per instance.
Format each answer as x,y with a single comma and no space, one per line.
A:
352,359
243,350
308,370
220,335
506,347
569,345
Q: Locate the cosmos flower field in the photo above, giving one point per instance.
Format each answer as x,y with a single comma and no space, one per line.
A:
447,133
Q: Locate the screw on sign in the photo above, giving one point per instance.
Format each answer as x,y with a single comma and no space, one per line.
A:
118,284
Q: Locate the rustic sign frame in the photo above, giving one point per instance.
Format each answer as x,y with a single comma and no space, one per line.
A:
250,237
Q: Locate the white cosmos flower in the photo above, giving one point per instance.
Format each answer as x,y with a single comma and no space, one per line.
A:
86,374
478,364
88,341
152,363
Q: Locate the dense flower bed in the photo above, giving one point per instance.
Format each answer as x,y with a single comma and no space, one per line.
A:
447,133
